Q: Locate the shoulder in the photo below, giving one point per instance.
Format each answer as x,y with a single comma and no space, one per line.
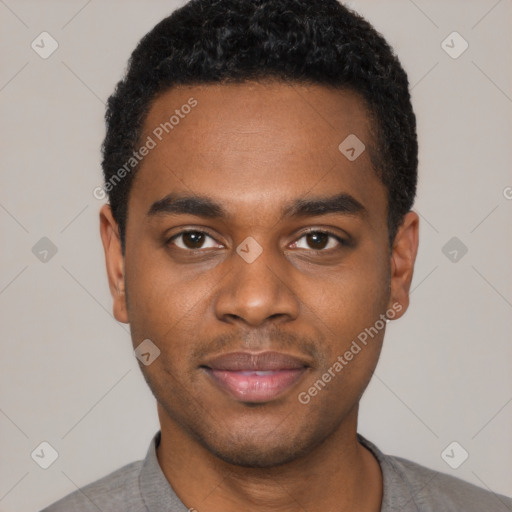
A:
411,487
433,491
118,490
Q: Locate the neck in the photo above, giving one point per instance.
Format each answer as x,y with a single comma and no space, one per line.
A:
340,474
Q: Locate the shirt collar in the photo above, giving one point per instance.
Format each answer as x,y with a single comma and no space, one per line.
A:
156,492
397,494
158,495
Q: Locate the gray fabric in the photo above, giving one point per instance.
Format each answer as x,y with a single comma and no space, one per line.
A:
408,487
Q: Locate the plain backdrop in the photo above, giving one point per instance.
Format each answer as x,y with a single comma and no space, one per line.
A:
67,372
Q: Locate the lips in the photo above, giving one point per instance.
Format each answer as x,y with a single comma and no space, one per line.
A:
255,377
264,361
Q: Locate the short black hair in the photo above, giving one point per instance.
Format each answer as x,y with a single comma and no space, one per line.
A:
317,42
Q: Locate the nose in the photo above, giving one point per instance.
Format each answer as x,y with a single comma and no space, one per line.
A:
256,292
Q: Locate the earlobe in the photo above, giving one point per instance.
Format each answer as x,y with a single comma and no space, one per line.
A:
114,261
403,257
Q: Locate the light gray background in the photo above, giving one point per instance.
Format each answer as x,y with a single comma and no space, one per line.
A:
68,375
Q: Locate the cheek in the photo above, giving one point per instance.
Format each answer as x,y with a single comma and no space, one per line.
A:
349,303
351,297
161,297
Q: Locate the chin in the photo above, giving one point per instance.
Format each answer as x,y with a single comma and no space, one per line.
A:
259,450
254,456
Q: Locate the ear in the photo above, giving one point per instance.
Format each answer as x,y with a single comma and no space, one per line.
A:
403,256
114,261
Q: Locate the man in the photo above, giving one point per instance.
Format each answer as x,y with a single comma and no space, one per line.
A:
261,166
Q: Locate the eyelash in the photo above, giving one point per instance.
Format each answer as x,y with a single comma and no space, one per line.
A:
341,241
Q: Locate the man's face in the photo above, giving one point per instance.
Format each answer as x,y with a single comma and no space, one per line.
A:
261,271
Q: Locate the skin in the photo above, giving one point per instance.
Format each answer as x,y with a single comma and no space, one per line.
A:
253,148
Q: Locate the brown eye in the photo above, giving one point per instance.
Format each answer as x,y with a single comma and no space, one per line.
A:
317,241
192,240
320,241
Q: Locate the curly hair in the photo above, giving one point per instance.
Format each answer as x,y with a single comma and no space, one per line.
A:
317,42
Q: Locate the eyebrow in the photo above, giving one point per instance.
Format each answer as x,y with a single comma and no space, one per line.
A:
204,206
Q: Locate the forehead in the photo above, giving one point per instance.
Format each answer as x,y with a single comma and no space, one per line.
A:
255,144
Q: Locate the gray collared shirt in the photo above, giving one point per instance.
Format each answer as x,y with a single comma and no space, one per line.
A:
408,487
